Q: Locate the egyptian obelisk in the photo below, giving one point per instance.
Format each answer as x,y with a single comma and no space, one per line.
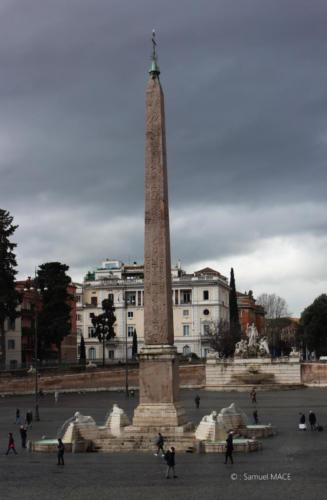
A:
158,372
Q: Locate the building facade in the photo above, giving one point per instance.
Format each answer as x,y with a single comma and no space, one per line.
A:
199,299
250,312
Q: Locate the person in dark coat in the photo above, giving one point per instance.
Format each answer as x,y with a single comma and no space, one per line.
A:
23,435
61,451
255,417
302,425
159,443
229,448
11,444
197,401
17,416
29,417
170,460
312,420
253,396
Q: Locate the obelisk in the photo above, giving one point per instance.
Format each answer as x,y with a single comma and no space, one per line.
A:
158,372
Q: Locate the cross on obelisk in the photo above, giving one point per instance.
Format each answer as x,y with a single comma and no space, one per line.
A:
159,385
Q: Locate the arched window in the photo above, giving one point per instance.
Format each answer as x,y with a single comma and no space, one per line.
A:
186,350
92,353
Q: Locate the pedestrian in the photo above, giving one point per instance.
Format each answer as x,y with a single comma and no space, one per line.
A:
23,435
229,447
253,396
56,396
17,416
302,424
11,444
61,451
159,443
255,417
29,417
170,460
197,401
312,420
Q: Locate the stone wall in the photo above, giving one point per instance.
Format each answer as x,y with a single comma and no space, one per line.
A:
94,379
247,372
314,373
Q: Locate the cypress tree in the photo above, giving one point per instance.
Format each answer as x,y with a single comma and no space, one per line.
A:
234,321
134,345
82,354
9,297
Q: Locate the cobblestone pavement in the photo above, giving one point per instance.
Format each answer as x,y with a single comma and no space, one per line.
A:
300,457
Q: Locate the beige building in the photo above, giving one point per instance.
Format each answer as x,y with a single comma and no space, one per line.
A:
13,343
198,300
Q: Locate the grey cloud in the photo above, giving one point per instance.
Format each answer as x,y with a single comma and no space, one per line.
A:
245,85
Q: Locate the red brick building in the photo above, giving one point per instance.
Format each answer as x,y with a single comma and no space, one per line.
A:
250,312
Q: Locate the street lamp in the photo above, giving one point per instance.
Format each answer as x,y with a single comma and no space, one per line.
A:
126,363
27,288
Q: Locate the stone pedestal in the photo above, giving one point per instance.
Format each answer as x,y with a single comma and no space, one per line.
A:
159,387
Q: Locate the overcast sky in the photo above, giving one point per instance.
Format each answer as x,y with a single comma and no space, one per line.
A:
245,84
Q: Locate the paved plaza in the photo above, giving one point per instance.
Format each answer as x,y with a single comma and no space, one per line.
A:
302,455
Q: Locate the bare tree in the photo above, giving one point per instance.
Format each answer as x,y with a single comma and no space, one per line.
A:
275,306
221,338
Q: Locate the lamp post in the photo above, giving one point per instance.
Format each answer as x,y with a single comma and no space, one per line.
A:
126,363
27,288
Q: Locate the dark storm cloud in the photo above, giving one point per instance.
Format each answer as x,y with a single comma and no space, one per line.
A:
246,104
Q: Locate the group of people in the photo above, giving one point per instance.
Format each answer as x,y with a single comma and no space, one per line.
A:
168,455
22,431
312,421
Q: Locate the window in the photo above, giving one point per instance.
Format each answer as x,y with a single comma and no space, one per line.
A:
11,344
79,331
205,294
186,330
206,312
206,352
139,298
90,331
186,350
186,296
11,324
130,314
78,317
78,298
13,364
94,301
185,312
176,297
130,331
206,329
111,354
92,353
131,298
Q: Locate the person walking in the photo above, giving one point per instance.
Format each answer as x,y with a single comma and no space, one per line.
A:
56,396
253,396
170,460
312,420
11,444
159,443
29,417
61,451
302,424
255,417
23,435
229,448
17,421
197,401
